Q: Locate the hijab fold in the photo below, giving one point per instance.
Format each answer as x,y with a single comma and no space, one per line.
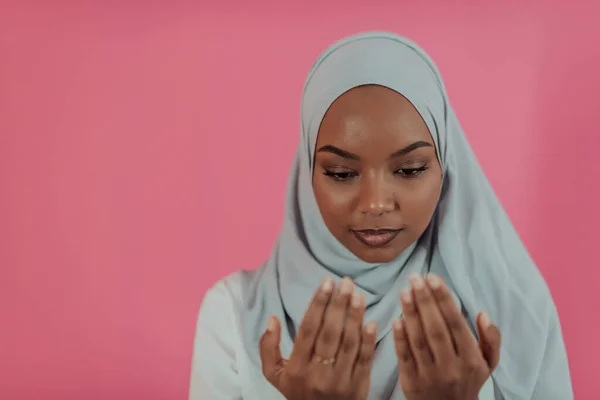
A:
470,240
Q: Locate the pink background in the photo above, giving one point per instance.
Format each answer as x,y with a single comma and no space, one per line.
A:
144,149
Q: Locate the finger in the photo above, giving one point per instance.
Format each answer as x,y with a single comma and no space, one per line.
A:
414,331
351,336
463,339
366,353
406,364
328,340
434,326
311,324
270,353
489,340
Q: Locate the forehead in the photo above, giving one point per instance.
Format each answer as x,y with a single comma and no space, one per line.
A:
372,116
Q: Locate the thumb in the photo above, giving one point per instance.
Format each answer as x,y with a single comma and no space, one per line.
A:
489,340
270,353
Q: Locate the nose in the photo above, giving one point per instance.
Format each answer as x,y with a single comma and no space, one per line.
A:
377,195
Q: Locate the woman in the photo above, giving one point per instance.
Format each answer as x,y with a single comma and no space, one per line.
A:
392,246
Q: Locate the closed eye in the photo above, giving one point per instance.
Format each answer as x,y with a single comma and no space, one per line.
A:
340,176
411,172
344,176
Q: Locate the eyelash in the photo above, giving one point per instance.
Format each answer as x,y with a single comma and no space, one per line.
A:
406,173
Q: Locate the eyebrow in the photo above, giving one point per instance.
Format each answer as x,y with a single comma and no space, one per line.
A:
351,156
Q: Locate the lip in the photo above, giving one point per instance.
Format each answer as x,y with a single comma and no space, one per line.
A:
376,237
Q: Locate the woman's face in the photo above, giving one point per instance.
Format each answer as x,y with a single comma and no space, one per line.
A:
376,177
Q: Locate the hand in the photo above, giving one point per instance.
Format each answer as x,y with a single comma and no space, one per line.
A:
332,354
438,357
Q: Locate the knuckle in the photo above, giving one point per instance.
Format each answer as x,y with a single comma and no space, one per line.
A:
295,374
262,342
321,299
442,294
307,329
355,314
495,338
328,334
425,298
342,298
350,342
452,378
473,365
420,344
437,334
405,355
455,323
410,311
404,358
320,386
494,345
365,357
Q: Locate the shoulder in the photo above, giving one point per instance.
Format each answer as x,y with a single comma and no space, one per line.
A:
222,305
225,298
217,341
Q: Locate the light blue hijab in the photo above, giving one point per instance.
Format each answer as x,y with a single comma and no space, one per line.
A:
470,240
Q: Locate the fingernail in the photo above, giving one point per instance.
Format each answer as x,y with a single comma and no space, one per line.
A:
434,281
370,328
485,320
356,300
271,324
417,281
327,285
346,286
397,324
406,296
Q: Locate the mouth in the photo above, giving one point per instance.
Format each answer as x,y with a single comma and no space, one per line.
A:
376,237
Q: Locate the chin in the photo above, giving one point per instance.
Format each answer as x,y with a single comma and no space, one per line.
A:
378,255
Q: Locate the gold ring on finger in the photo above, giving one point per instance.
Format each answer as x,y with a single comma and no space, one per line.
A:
325,361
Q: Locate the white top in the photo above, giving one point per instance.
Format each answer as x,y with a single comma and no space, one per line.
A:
221,369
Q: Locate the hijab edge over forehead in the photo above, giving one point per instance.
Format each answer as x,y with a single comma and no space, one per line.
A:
421,111
313,112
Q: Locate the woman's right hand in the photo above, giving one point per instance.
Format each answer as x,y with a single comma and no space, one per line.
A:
333,352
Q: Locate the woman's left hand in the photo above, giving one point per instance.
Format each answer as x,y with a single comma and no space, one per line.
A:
438,356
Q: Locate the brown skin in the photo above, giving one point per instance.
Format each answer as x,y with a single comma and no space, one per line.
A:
332,329
376,167
374,187
438,356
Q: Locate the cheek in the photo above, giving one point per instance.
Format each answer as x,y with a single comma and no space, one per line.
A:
418,205
334,200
